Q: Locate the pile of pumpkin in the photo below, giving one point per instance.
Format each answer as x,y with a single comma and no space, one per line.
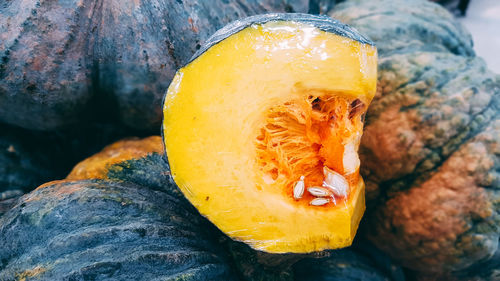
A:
76,76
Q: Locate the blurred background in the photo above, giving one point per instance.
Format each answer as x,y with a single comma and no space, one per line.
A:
482,19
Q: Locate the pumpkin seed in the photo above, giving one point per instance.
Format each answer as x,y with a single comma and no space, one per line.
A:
298,189
319,191
319,201
335,182
350,158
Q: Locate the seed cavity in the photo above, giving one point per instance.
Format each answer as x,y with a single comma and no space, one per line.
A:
298,189
319,201
319,191
335,182
356,107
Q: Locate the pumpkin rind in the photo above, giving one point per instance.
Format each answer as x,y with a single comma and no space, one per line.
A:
44,68
137,226
101,229
403,26
322,23
60,60
486,270
432,178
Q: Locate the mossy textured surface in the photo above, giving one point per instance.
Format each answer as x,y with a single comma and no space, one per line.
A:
431,143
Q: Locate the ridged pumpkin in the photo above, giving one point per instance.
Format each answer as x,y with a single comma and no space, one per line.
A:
430,152
133,226
59,61
126,220
430,149
272,106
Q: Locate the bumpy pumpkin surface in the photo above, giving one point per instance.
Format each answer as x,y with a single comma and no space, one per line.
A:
151,168
457,7
136,226
95,229
267,115
59,59
431,143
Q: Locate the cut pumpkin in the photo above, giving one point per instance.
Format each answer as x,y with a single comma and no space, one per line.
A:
262,128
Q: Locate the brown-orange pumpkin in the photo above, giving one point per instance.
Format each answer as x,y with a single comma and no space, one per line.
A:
430,150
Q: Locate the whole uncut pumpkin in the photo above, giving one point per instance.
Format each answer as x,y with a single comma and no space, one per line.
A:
123,218
430,150
60,61
136,227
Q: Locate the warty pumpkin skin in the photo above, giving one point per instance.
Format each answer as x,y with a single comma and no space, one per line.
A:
457,7
431,142
61,60
486,270
429,27
267,100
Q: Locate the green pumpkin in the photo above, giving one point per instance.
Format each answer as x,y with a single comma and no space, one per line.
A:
60,61
98,229
134,224
431,142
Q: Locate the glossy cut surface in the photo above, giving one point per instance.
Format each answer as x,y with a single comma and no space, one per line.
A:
214,111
